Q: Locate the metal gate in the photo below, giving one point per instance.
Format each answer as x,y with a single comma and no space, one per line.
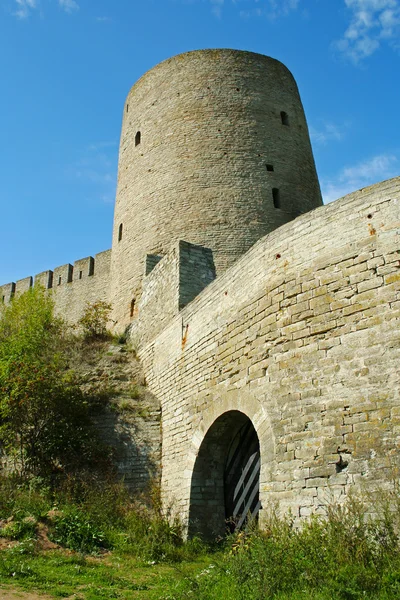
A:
242,478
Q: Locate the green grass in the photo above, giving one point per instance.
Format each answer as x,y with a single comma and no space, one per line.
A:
112,547
347,556
115,576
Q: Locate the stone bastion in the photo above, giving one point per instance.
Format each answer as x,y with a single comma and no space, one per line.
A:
266,323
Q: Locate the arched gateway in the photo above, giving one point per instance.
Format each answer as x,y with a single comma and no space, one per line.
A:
225,481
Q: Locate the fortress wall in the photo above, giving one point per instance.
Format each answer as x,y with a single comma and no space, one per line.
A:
7,291
72,286
301,334
159,301
23,285
87,281
173,282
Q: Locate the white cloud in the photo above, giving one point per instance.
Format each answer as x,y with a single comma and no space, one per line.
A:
362,174
270,8
371,23
97,166
325,133
69,5
217,7
277,8
24,8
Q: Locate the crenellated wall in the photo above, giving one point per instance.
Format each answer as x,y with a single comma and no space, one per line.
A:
301,335
71,286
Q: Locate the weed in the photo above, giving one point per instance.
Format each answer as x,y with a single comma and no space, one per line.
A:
94,320
349,555
125,405
19,529
74,529
135,391
352,554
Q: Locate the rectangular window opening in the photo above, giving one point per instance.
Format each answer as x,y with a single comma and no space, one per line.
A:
284,118
276,197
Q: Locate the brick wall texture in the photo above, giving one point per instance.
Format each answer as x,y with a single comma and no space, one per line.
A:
210,123
301,335
71,286
262,312
178,278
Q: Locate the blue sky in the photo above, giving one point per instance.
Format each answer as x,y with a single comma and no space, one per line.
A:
67,65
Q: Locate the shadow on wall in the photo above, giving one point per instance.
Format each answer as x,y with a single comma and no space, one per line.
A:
225,482
131,427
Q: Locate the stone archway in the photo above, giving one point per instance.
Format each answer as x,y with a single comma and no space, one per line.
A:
225,479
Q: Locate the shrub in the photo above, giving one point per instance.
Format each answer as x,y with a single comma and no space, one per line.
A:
95,318
44,416
349,555
74,529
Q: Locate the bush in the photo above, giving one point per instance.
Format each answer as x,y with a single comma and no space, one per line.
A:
127,526
349,555
89,514
45,424
74,529
94,320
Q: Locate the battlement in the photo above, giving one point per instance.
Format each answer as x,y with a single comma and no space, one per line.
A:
80,270
87,280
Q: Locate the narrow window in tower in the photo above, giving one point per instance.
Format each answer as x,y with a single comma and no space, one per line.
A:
80,274
133,306
120,232
137,138
270,167
127,107
276,197
59,280
284,118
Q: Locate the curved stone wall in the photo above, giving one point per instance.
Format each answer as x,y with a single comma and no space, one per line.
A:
214,150
301,335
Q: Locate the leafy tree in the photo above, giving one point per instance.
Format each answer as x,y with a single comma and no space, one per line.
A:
44,416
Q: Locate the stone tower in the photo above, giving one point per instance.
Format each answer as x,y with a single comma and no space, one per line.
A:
215,151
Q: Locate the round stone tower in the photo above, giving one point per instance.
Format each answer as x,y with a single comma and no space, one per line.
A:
215,151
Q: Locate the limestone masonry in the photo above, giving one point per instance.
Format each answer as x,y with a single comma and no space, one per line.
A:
266,323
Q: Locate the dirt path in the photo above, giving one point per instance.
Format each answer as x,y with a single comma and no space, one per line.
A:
10,594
